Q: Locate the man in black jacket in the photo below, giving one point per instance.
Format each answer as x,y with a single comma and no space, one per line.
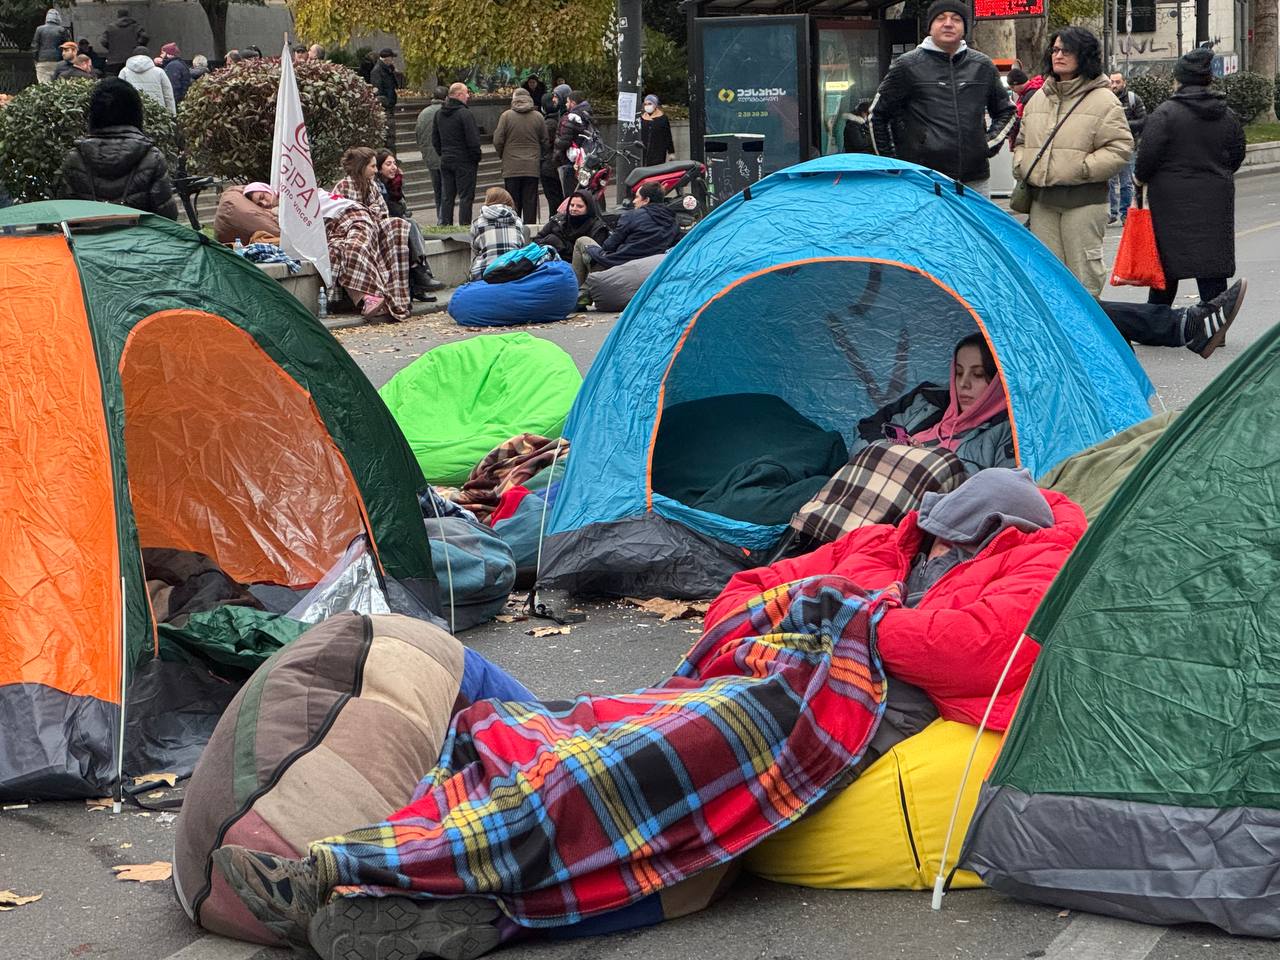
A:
931,107
647,230
383,78
119,40
457,139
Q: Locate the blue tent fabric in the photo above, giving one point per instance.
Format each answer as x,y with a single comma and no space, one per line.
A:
838,284
548,294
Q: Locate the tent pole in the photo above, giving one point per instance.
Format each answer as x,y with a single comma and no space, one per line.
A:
118,796
940,880
448,565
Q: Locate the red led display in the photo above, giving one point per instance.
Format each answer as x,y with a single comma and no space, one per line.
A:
1005,9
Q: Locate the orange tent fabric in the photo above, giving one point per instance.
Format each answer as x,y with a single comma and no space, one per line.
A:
60,601
228,456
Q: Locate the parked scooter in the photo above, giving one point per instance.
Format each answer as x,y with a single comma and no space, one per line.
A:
684,182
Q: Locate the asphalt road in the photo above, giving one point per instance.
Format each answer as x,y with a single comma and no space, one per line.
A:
65,852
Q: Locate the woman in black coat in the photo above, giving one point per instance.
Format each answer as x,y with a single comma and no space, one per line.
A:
117,162
563,230
1191,147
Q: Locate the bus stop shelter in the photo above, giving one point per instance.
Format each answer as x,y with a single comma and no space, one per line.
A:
787,69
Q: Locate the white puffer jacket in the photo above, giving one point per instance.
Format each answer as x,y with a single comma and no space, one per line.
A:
142,74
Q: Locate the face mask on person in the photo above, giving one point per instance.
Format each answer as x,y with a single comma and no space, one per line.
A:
649,108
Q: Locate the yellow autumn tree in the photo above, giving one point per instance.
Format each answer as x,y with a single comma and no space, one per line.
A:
456,33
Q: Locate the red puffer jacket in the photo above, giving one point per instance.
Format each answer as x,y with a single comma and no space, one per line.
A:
956,641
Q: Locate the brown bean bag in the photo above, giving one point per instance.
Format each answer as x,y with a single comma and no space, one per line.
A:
238,217
331,733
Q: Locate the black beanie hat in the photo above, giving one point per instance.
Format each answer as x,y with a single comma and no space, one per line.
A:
939,7
1195,67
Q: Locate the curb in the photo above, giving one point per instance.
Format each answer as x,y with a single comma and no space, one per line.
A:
345,321
1258,170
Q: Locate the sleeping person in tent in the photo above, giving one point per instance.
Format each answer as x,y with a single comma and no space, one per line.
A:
928,441
776,706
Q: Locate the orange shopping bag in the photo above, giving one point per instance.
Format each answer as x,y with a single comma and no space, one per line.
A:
1138,260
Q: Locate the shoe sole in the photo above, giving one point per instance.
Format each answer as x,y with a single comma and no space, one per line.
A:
401,928
1220,335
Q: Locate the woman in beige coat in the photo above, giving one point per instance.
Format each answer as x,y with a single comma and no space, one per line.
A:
520,138
1069,184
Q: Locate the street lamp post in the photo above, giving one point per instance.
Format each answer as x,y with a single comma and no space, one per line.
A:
630,54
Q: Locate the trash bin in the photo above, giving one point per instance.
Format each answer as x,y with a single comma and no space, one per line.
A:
734,161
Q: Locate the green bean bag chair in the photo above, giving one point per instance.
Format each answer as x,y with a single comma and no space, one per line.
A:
459,401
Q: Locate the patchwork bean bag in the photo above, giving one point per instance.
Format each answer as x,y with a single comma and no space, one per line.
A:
611,290
460,400
885,831
331,733
548,294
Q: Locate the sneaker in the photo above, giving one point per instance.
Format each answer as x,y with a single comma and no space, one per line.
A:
1214,318
375,928
1111,219
283,894
373,306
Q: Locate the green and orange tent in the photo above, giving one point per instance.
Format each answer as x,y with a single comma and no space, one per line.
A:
157,390
1141,775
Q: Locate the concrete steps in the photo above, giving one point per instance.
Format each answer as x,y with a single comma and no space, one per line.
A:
417,179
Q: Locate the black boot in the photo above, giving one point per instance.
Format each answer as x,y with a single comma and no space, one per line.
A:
421,283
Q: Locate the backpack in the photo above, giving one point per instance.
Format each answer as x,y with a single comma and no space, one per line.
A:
515,264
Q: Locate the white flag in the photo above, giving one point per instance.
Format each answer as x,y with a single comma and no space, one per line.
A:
294,179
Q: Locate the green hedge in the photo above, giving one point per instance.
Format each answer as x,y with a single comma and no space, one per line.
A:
44,121
1247,93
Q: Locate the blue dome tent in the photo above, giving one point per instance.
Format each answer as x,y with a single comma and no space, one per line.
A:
833,286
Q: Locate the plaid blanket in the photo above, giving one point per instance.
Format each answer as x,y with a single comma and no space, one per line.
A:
510,464
882,483
371,256
563,811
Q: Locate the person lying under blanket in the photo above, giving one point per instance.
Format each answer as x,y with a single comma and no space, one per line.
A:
975,563
772,710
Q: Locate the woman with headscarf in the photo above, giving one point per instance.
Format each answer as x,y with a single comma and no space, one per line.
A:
1192,145
928,441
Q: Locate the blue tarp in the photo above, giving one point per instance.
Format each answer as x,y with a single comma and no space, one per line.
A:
837,285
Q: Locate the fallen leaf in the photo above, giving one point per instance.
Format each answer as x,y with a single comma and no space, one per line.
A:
1063,914
155,794
9,899
547,631
102,803
168,779
670,609
166,818
506,618
125,846
144,872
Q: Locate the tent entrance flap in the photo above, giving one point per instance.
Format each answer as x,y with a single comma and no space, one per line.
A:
789,357
227,455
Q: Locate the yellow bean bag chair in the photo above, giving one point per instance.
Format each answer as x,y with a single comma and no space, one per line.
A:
885,830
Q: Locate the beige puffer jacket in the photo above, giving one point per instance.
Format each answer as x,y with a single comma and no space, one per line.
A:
1092,146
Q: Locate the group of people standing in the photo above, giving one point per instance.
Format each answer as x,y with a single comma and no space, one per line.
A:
532,140
1073,132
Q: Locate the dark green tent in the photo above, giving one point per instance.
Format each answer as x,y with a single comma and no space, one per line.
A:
161,392
1141,776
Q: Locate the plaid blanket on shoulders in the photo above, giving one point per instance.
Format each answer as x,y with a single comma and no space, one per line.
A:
566,810
881,483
